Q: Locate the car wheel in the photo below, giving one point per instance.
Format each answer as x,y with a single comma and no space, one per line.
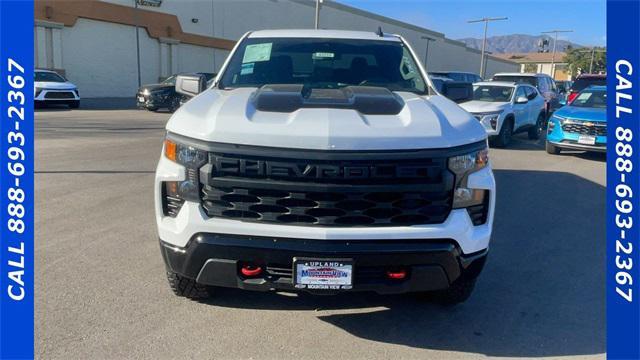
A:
175,104
188,288
552,149
504,136
538,128
152,108
74,104
459,292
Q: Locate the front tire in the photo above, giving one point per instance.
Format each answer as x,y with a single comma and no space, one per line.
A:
74,104
504,136
552,149
189,288
536,131
459,292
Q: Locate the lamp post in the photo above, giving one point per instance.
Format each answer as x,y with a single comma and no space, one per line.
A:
553,55
426,53
484,40
317,24
593,52
137,42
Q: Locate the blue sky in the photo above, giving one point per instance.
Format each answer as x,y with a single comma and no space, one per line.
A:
586,18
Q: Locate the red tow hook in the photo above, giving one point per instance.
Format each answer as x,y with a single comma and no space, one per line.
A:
250,270
396,274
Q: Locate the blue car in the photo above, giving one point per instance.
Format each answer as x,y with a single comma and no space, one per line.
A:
580,125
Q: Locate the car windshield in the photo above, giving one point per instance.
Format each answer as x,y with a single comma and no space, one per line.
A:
531,80
171,80
581,84
45,76
323,63
591,99
492,93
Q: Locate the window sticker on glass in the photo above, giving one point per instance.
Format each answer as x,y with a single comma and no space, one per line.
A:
257,52
584,96
247,69
406,68
322,55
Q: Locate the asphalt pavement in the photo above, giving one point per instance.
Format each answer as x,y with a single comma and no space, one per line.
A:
101,292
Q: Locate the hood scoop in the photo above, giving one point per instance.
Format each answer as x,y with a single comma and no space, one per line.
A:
367,100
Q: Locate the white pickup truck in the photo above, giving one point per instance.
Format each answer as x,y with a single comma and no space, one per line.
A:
323,161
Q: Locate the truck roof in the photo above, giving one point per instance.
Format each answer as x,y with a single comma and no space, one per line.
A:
329,34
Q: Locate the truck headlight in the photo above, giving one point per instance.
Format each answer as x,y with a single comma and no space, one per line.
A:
192,159
462,166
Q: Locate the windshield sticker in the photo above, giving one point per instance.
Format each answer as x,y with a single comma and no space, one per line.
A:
257,52
584,96
322,55
247,69
407,69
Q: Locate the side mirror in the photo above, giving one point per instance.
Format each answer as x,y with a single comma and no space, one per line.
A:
190,85
522,100
457,91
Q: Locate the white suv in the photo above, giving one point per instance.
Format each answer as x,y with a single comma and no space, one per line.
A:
505,108
323,161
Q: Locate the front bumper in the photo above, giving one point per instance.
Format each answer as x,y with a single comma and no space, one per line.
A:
57,96
214,259
569,140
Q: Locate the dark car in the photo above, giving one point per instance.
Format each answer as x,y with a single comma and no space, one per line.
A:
582,82
543,82
563,86
163,95
459,76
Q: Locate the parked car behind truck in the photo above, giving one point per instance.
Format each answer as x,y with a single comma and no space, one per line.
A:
51,88
582,124
543,82
163,95
323,161
507,108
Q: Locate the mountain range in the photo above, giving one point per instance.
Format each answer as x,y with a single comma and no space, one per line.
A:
516,43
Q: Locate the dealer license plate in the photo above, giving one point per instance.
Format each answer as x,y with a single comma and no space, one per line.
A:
587,139
323,274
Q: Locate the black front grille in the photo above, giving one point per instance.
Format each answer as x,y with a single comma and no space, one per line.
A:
388,191
59,95
584,129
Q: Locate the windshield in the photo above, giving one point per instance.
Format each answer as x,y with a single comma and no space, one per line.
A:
591,99
171,80
581,84
323,63
44,76
492,93
531,80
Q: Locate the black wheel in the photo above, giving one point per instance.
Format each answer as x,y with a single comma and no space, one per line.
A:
536,131
504,136
188,288
175,104
152,108
74,104
459,292
552,149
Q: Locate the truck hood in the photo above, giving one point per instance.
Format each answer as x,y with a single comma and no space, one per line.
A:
229,116
476,106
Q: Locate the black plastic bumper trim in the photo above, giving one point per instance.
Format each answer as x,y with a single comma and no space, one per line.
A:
213,259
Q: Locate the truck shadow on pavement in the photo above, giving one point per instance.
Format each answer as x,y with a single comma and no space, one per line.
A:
542,292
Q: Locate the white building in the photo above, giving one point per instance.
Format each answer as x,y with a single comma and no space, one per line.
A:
94,42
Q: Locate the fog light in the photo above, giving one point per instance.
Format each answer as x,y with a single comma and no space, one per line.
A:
465,197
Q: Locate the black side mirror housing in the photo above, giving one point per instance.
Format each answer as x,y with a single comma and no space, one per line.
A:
190,85
457,91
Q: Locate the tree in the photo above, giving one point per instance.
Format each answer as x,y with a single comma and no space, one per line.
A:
579,60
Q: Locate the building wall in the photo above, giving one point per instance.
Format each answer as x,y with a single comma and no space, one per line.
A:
100,56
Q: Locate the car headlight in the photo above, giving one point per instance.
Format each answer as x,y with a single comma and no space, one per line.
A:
192,159
38,91
462,166
490,119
